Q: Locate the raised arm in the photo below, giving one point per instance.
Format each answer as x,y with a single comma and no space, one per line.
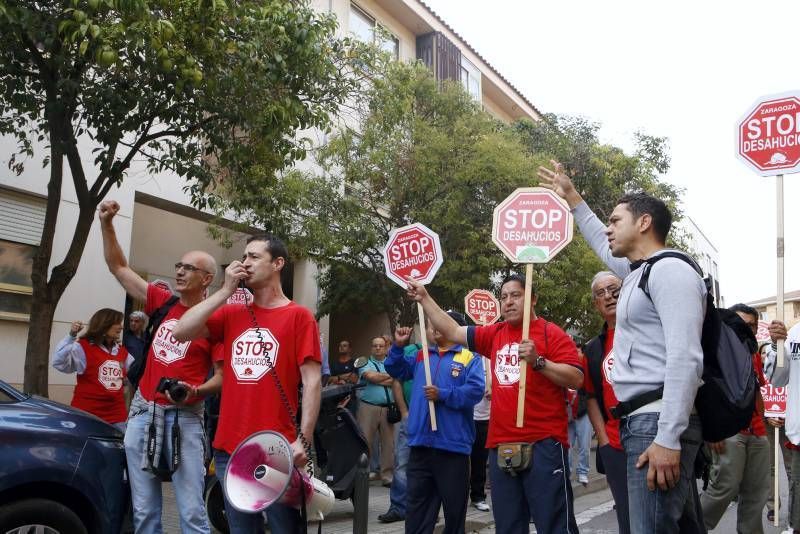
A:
69,356
593,230
442,322
134,284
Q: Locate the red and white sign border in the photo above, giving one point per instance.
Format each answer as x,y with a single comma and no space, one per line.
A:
437,247
766,99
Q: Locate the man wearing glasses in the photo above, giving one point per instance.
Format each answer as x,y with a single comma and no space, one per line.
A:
597,367
157,413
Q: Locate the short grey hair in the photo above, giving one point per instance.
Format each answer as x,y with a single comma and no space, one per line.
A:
602,274
138,315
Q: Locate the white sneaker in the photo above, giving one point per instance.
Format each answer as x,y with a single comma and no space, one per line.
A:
583,479
482,506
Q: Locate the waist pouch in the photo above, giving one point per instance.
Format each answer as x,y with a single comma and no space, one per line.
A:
514,457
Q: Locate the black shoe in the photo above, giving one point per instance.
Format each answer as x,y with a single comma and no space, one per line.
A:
390,517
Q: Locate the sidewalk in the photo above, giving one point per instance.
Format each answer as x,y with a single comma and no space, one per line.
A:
340,521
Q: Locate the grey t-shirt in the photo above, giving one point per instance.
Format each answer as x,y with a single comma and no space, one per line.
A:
656,341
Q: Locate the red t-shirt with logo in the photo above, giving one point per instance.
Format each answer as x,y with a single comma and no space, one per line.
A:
545,416
189,361
250,399
99,388
609,399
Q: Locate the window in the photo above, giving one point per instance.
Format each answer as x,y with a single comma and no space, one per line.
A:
363,27
21,222
16,266
471,78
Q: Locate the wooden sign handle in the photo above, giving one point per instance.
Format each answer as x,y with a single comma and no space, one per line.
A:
426,361
523,364
779,253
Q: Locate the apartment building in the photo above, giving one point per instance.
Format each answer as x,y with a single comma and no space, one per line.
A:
157,222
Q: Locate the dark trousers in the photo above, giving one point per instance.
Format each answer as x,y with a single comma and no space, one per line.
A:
477,472
542,493
616,468
436,478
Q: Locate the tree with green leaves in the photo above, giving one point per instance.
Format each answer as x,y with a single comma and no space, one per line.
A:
209,90
602,173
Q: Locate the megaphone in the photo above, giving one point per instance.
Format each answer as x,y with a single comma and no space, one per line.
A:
261,472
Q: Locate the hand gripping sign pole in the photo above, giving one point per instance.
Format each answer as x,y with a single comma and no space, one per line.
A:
768,141
530,226
414,251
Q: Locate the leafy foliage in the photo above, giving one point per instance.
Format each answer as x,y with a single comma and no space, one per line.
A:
210,90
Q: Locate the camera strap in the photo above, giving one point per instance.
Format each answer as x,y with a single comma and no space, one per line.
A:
154,450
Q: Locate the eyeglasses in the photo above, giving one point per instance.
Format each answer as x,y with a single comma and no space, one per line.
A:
188,267
610,290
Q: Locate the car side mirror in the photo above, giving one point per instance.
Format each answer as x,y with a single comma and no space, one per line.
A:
360,362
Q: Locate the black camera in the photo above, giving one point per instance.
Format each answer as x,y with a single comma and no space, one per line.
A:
177,391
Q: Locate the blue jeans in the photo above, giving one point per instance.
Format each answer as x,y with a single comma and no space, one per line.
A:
187,481
282,519
397,494
542,493
580,437
661,512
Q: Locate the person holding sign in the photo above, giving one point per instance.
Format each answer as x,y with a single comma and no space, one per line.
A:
739,461
789,376
656,346
527,465
438,465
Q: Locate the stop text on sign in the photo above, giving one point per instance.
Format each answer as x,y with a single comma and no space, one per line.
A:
414,251
768,135
481,306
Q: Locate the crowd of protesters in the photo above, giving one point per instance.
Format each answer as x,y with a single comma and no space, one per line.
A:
632,387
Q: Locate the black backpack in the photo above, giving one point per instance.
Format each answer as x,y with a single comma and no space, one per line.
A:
136,370
726,400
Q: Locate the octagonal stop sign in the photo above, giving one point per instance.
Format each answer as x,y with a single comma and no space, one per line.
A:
412,250
769,135
481,306
532,225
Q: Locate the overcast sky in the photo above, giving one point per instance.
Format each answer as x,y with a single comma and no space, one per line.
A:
683,70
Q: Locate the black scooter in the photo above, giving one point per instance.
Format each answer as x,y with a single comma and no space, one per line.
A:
346,469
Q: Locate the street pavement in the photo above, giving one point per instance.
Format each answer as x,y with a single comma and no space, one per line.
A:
594,512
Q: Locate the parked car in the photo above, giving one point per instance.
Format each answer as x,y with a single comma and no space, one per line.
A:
61,469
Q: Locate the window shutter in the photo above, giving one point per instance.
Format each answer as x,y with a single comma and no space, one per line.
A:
21,217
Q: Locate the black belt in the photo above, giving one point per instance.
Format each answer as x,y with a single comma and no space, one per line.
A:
627,407
373,404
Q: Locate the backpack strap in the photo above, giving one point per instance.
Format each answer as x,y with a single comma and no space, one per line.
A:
649,262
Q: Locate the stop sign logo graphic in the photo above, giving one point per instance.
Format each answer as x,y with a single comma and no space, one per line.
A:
412,250
481,306
532,225
769,135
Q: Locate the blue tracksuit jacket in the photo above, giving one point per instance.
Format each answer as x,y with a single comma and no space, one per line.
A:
458,373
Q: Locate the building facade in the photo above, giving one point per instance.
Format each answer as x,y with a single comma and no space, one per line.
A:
157,223
768,308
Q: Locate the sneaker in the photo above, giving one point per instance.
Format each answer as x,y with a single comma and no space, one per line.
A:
583,479
390,517
482,506
374,476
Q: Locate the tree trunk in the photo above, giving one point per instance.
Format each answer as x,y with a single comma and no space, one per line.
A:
38,349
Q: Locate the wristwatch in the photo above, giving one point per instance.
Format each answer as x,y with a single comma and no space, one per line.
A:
539,363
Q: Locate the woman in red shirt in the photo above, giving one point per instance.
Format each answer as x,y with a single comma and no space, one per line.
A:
101,364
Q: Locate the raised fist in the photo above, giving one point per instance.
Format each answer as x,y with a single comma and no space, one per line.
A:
107,210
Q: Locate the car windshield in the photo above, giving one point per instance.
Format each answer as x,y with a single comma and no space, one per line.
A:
5,397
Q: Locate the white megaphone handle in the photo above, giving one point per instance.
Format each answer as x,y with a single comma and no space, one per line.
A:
322,498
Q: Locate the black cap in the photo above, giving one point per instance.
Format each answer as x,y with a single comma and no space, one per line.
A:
458,317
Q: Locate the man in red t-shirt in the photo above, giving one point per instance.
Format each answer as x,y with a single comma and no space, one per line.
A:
271,338
741,461
597,368
543,491
167,357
